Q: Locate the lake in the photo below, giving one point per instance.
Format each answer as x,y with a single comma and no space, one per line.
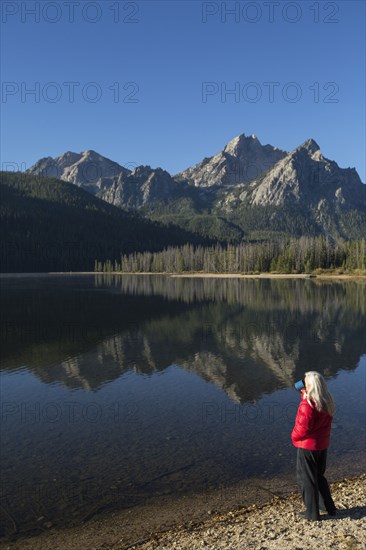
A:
117,390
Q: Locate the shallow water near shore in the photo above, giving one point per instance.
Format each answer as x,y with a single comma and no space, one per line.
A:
119,390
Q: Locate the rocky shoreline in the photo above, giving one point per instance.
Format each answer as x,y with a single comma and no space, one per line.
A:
273,525
276,525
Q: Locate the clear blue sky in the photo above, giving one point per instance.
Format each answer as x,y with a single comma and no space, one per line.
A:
163,70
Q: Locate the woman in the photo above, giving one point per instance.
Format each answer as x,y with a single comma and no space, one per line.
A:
311,436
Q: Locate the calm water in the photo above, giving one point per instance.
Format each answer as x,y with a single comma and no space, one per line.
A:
117,389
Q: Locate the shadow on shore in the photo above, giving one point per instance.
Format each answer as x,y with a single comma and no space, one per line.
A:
356,512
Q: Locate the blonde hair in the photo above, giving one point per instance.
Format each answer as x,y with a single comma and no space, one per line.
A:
318,392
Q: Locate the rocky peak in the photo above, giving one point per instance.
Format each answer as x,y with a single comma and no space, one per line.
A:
67,159
90,154
87,169
305,177
242,160
242,145
239,143
142,171
309,145
144,186
69,155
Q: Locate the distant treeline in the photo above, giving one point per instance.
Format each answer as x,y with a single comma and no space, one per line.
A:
302,255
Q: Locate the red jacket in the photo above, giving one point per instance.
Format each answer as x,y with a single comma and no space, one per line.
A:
312,428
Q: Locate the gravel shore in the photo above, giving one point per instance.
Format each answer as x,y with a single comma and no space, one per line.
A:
277,526
271,526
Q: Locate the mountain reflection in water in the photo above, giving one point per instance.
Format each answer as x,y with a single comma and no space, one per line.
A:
248,337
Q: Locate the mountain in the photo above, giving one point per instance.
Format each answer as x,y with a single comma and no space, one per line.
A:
302,193
306,176
242,159
143,186
51,225
88,169
246,191
153,192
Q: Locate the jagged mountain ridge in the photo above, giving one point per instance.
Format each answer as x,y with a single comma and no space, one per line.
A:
306,174
87,169
302,176
143,186
229,187
242,159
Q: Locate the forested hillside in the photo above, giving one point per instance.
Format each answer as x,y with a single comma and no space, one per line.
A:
50,225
